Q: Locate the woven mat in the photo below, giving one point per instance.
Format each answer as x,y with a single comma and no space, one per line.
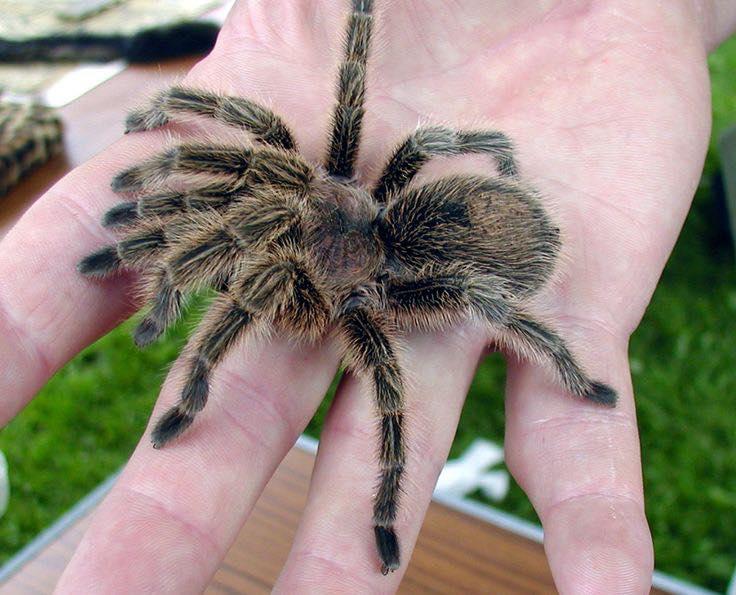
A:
41,41
30,135
31,19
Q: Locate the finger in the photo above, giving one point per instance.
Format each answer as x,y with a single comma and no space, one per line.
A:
334,549
48,311
174,512
580,466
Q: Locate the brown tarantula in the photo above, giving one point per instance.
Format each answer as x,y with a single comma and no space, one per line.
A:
303,249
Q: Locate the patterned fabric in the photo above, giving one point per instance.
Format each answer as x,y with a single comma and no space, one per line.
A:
30,134
100,30
30,19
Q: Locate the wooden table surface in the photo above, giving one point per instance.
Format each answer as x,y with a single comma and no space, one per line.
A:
91,123
456,553
488,559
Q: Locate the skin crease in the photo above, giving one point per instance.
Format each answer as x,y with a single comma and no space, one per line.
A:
608,103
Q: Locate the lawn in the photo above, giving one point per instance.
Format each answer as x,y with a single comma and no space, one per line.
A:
84,424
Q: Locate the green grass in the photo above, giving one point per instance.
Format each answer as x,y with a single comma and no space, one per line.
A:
86,421
81,427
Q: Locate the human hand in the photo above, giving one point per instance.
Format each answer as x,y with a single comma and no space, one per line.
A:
608,105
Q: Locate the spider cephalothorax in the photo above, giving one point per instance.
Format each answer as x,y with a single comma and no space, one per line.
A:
306,250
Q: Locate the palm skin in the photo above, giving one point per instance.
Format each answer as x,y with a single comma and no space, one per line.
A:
608,105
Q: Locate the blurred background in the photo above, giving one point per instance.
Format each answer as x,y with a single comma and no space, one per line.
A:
86,421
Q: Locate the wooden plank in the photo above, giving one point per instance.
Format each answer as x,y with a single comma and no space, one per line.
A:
490,559
455,553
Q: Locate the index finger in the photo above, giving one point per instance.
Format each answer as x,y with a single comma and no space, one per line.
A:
48,312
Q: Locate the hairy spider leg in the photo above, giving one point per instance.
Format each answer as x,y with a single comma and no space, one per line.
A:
244,170
529,337
202,197
166,308
347,117
423,302
211,262
178,102
229,161
369,351
269,291
223,324
430,141
211,254
139,249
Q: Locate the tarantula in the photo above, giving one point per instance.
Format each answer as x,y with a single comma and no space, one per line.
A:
303,249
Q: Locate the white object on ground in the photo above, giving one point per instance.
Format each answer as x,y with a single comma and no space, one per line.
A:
78,81
4,484
469,472
220,14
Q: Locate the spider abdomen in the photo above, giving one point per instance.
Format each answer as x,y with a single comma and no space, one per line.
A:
495,226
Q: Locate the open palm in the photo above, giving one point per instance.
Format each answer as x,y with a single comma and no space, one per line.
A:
608,105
